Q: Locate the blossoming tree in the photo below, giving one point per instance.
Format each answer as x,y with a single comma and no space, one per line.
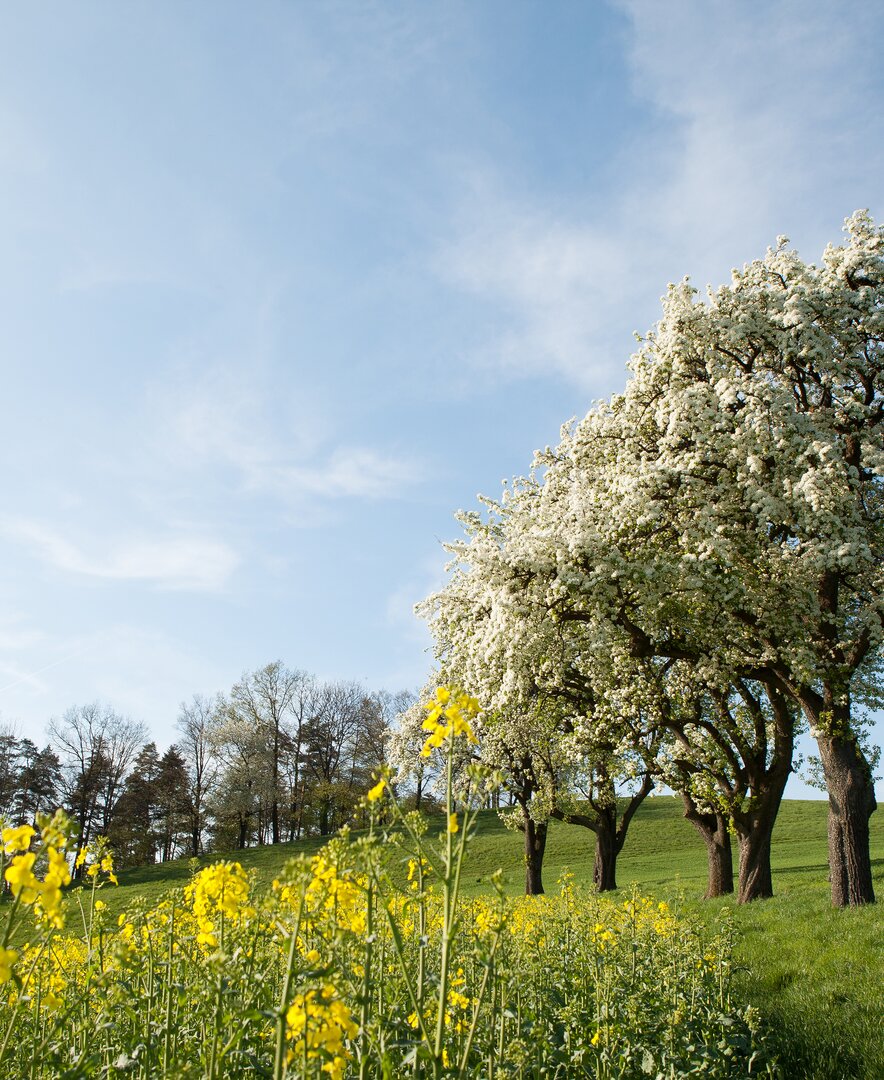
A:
726,509
542,728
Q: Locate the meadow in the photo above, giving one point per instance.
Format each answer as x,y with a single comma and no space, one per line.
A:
399,952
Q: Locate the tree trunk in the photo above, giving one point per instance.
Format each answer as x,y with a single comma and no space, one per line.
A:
604,869
300,822
755,879
713,828
851,804
84,830
609,835
274,806
535,845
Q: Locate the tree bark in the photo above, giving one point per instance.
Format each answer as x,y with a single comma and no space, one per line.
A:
610,835
755,878
535,845
765,781
713,828
604,868
851,804
755,828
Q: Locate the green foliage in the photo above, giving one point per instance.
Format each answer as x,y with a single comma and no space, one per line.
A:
810,970
365,960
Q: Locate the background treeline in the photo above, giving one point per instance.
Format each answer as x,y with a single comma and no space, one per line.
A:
281,756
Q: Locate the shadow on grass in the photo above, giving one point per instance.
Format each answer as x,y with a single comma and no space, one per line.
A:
816,1051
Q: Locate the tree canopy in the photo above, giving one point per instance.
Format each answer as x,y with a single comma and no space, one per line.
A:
722,515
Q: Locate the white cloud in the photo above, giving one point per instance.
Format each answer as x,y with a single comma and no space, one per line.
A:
765,123
117,663
282,452
348,472
555,283
171,562
16,634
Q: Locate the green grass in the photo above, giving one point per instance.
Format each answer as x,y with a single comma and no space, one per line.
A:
815,973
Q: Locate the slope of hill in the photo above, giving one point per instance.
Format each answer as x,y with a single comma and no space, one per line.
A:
814,972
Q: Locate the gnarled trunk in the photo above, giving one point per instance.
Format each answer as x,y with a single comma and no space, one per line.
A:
754,830
851,804
609,832
713,828
766,785
604,868
535,845
755,878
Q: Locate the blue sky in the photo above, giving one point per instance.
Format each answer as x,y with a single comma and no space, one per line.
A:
283,285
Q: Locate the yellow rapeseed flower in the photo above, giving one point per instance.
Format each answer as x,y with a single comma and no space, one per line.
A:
320,1022
17,839
448,715
219,889
20,876
8,958
377,791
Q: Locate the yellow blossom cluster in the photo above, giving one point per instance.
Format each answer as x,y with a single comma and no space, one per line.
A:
220,890
418,869
8,958
97,859
338,892
449,714
377,791
49,972
29,889
318,1024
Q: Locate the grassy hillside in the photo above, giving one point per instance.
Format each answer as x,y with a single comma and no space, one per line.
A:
662,853
814,972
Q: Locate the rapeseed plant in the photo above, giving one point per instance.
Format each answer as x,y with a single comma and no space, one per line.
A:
362,961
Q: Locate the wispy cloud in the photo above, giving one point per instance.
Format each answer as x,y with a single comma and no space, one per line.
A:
274,450
553,282
356,471
117,663
757,132
21,677
16,633
184,562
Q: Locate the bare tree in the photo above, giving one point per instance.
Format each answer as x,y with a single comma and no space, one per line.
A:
265,698
195,723
332,746
95,746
